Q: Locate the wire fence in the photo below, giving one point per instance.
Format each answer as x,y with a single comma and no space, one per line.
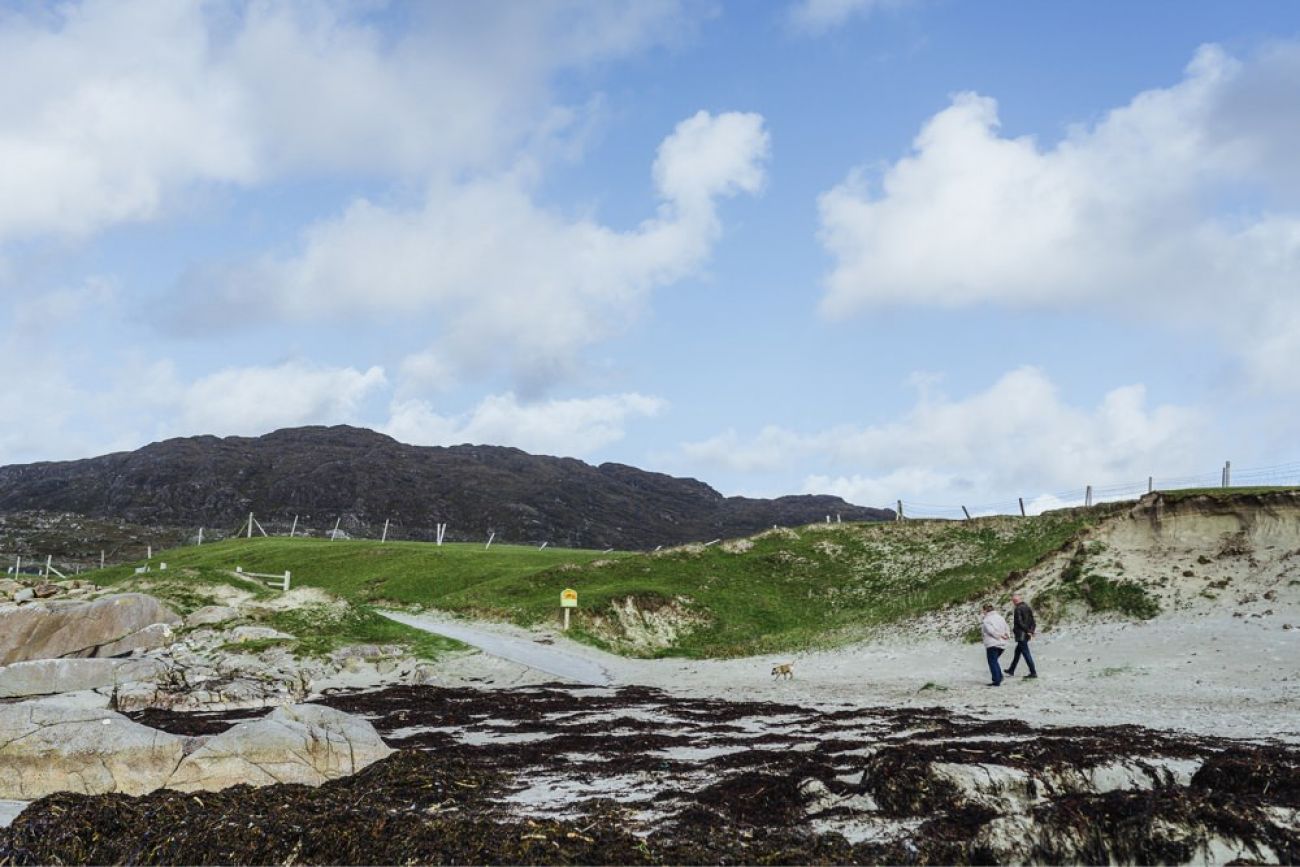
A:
1277,475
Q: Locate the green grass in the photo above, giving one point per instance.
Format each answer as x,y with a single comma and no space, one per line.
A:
821,585
831,584
363,573
1186,493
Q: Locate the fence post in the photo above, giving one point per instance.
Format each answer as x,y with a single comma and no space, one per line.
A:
286,580
49,558
250,525
200,535
966,513
491,536
900,511
334,535
101,558
1087,496
1227,474
294,528
1022,507
384,537
1151,484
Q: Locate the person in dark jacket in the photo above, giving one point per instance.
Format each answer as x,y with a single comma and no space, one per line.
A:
1023,627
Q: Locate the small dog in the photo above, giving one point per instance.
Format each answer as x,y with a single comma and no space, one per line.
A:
785,669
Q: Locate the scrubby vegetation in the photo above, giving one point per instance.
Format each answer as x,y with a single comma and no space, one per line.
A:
780,590
1082,581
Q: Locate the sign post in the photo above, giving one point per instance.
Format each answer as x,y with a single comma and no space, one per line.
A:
568,600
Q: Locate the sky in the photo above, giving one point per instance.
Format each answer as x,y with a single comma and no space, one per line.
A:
924,250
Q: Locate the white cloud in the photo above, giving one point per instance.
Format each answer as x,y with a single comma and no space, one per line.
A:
818,16
1017,437
254,400
113,110
517,286
1181,207
574,427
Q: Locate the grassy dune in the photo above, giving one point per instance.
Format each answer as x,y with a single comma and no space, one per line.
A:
781,590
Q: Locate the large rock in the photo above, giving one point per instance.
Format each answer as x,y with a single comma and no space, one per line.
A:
52,746
301,744
49,676
103,627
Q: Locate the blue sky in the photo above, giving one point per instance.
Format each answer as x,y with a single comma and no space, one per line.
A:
939,251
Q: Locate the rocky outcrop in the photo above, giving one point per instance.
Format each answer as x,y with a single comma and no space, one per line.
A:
50,746
321,474
51,676
301,744
109,626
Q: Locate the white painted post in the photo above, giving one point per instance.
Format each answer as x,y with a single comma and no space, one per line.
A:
286,580
48,559
148,552
828,519
442,533
200,535
335,534
491,536
839,519
566,619
260,528
18,567
294,528
543,547
101,558
900,511
250,525
384,537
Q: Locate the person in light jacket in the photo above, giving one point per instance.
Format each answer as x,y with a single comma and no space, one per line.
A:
1024,627
994,631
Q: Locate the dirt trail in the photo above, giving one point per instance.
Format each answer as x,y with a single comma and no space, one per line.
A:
569,664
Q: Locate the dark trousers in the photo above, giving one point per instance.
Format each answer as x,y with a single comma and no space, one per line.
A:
995,667
1022,649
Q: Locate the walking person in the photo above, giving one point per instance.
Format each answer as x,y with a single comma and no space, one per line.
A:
1024,628
994,631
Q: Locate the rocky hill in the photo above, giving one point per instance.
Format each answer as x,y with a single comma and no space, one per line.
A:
322,474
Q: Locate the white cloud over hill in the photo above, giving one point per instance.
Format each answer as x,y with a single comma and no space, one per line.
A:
518,286
574,427
1181,207
1018,436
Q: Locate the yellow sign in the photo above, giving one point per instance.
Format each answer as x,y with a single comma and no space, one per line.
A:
569,599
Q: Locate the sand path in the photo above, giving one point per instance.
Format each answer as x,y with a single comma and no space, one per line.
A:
1204,673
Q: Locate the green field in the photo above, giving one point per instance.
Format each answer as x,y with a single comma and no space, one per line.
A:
782,590
364,573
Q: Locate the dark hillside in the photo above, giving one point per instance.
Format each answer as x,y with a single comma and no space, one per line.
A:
323,473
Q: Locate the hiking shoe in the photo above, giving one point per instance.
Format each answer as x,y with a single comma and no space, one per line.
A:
1031,674
1008,672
